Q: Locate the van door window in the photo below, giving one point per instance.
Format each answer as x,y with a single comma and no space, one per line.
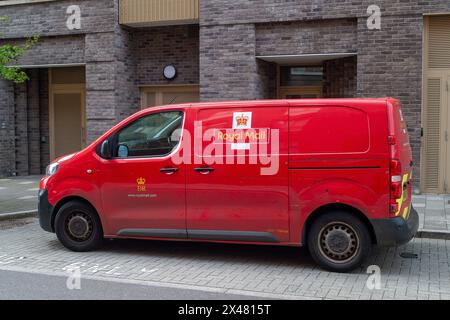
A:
154,135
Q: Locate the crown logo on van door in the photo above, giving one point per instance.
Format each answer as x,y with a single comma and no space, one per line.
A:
141,184
242,120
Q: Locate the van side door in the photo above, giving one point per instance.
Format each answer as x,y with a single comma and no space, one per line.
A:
143,191
237,187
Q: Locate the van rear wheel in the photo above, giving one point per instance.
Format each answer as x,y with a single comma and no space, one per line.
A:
339,241
78,227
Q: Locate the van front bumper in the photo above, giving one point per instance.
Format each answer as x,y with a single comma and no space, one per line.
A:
45,211
396,231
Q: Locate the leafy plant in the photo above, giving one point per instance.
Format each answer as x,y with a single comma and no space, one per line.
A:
11,53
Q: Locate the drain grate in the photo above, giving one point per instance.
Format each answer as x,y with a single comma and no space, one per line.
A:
409,255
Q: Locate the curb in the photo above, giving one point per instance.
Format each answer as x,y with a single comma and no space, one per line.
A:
18,215
433,234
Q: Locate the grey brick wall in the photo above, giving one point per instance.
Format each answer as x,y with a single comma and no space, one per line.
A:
317,36
215,12
33,124
7,149
390,64
228,68
53,50
126,90
49,18
44,119
340,78
21,128
157,47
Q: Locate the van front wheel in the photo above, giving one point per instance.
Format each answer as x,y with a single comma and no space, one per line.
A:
339,241
78,227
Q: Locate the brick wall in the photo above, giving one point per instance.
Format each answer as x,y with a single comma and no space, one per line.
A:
44,119
21,128
317,36
7,153
340,78
49,18
228,68
390,64
33,123
219,12
53,50
157,47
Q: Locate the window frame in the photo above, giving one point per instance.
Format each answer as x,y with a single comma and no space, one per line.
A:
114,139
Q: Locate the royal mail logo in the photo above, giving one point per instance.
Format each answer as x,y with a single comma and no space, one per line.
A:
242,120
141,184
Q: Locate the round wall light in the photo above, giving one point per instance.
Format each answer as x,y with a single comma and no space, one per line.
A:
170,72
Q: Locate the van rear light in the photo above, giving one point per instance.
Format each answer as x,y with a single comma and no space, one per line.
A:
396,188
395,167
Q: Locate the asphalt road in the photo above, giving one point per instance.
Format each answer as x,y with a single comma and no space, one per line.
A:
29,286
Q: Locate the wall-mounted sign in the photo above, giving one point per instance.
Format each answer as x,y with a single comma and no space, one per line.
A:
73,21
170,72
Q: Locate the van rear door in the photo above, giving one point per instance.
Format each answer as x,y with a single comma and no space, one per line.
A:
401,161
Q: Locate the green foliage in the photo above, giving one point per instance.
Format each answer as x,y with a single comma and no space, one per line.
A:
10,54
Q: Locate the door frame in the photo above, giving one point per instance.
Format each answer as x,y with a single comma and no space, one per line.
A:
303,89
62,89
164,88
300,90
444,75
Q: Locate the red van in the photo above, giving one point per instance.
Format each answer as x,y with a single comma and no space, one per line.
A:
331,174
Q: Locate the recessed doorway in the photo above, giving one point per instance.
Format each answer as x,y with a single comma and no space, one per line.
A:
67,110
300,82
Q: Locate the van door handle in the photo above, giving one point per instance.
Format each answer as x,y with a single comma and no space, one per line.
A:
168,171
204,170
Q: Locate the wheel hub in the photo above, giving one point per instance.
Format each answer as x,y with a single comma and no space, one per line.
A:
79,226
338,242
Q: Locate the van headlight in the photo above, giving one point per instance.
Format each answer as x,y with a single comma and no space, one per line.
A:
52,169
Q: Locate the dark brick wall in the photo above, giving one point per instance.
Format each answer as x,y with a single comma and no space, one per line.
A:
214,12
53,50
49,18
307,37
157,47
21,128
33,124
30,126
44,135
390,64
7,145
228,68
340,78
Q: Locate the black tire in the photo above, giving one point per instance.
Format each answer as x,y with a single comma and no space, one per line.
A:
339,241
78,227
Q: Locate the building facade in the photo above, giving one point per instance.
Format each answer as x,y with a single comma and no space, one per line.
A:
97,62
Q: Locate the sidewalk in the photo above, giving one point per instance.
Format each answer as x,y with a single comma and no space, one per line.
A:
434,212
18,195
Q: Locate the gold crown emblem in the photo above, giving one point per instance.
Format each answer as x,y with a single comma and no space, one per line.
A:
241,120
140,181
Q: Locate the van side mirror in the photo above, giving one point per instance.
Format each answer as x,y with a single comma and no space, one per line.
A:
105,150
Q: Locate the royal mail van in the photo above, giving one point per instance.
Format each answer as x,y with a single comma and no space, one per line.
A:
330,174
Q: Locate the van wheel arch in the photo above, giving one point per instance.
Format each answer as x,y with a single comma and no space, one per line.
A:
336,207
68,199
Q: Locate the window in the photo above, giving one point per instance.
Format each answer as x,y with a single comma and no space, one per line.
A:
301,76
153,135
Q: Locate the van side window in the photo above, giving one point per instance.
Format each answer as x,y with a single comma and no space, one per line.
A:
154,135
